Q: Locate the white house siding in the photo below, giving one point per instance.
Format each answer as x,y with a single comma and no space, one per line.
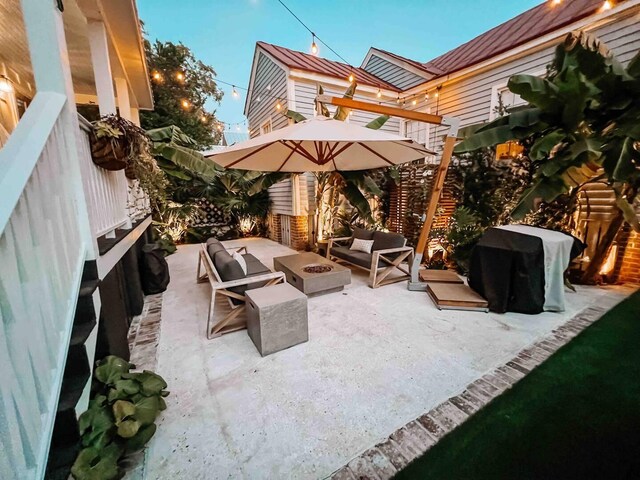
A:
392,73
268,74
469,99
306,92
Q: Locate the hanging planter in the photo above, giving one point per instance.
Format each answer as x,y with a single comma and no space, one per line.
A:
116,142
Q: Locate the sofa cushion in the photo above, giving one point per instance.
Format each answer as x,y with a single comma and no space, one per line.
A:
384,240
211,240
362,233
213,248
254,268
228,268
352,256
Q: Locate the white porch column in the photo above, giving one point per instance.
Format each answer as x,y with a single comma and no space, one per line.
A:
124,105
99,46
135,115
52,73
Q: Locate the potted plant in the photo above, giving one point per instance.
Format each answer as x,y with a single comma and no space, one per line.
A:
116,142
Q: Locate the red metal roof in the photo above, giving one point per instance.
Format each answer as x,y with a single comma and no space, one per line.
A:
311,63
534,23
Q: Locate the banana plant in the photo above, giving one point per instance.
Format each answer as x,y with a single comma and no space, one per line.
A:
355,187
582,124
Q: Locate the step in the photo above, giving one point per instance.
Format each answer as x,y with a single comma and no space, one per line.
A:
450,296
439,276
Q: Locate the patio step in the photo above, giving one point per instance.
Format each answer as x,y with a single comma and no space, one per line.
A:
451,296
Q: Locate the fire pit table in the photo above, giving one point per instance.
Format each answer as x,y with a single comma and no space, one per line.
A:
312,274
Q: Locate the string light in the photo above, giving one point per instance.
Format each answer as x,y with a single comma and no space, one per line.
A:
234,92
314,47
157,76
278,105
180,76
398,100
607,5
186,104
556,2
351,77
426,95
379,94
203,119
414,102
220,127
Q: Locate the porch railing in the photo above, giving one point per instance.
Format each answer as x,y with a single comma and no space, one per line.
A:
42,253
105,191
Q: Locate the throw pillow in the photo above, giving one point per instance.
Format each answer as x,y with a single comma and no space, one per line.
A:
362,245
240,259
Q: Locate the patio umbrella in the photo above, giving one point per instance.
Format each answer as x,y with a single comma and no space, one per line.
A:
319,145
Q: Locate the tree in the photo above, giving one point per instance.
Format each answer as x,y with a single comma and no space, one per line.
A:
181,85
583,125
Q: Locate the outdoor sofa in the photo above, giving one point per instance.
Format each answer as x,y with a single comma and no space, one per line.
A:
389,253
227,278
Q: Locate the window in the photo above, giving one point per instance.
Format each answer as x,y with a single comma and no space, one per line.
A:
503,100
416,131
266,127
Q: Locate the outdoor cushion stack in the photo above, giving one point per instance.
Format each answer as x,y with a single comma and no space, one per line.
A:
381,241
229,268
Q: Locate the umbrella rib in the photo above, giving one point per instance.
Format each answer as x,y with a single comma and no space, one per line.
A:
375,153
421,150
347,145
300,150
287,159
248,155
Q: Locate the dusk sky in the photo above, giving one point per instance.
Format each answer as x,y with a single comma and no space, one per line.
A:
223,33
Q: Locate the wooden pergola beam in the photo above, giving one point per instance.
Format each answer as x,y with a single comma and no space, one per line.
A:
380,109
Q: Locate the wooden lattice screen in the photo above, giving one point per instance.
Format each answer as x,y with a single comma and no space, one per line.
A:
409,198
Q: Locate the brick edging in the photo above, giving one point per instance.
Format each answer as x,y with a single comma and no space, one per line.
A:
412,440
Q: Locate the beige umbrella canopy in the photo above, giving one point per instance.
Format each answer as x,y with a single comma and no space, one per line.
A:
319,145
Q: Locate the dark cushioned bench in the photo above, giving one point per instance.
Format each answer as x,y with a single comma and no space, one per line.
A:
388,253
227,278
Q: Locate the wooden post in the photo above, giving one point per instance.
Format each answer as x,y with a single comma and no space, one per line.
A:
124,105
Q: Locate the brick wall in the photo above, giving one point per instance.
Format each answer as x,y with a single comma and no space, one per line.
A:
627,268
275,232
299,232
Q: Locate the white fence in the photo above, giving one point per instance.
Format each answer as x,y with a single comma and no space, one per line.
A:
105,191
42,254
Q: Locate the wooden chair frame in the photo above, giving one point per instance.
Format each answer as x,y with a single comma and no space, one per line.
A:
377,274
225,325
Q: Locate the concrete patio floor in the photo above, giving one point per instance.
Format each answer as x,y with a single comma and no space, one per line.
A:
375,360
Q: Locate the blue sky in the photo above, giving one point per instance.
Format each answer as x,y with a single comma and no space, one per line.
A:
223,33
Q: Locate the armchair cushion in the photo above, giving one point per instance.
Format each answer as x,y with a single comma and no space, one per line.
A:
254,268
227,266
353,256
384,240
362,233
214,247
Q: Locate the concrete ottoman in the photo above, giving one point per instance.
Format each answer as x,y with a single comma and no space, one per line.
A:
276,317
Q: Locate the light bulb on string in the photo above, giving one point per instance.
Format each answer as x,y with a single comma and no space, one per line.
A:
157,76
314,47
379,94
186,104
234,92
180,76
426,95
278,105
5,85
607,5
556,2
351,77
398,100
414,101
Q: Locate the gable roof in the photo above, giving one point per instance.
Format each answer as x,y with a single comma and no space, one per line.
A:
310,63
417,65
534,23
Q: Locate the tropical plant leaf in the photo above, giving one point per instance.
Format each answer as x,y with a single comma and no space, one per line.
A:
378,122
147,409
171,134
128,428
342,113
123,410
485,138
266,181
111,369
97,464
295,116
371,186
545,189
624,161
543,146
355,197
189,159
141,438
178,174
537,91
324,111
150,383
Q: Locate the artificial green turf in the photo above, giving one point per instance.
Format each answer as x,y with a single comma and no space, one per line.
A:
576,416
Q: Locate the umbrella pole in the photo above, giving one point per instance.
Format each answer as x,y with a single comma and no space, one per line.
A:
423,241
